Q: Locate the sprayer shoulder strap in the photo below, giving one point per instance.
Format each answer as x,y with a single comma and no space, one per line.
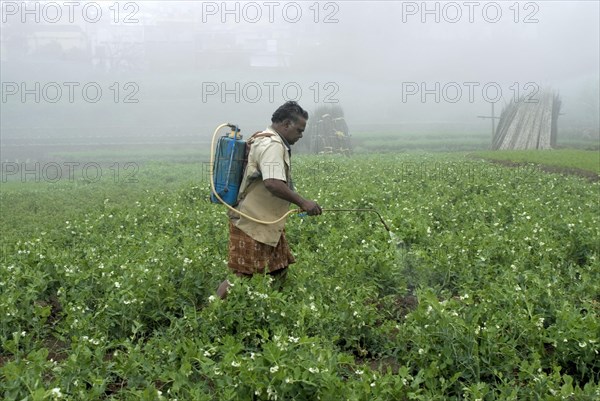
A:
249,142
259,134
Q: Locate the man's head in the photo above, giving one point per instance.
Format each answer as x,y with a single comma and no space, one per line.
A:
290,121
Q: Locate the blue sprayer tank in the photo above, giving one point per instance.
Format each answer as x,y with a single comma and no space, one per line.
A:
228,168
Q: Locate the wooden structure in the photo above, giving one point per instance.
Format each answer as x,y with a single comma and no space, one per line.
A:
327,131
529,123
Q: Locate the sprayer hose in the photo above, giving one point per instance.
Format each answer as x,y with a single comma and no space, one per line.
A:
212,186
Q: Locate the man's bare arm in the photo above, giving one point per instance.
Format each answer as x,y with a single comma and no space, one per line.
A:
281,190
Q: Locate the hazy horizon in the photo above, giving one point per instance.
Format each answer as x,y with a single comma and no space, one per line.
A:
177,69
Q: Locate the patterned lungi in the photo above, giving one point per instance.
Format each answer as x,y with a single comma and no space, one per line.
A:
248,256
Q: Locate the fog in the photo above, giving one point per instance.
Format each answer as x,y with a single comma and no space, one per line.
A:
87,75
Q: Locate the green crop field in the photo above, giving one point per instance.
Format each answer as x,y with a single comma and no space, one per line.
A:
586,160
487,288
444,141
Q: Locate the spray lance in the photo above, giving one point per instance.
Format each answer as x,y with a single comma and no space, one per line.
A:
226,172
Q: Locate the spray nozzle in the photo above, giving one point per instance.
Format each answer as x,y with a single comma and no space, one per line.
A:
235,131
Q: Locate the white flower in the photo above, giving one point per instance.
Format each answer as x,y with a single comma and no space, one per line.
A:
117,284
540,322
272,394
55,392
313,370
359,372
421,351
274,369
235,364
212,298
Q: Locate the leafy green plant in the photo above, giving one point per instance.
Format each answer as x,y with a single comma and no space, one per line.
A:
487,289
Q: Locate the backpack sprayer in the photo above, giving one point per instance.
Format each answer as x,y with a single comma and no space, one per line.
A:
227,165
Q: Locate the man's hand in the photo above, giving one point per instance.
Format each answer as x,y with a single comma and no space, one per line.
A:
311,208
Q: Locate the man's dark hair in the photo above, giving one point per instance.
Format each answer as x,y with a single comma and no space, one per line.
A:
289,111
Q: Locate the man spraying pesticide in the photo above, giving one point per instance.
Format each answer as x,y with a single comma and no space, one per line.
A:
257,214
253,179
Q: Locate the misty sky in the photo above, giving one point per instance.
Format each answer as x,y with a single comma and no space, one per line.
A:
181,68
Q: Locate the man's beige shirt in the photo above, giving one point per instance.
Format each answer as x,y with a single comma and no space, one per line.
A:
268,159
